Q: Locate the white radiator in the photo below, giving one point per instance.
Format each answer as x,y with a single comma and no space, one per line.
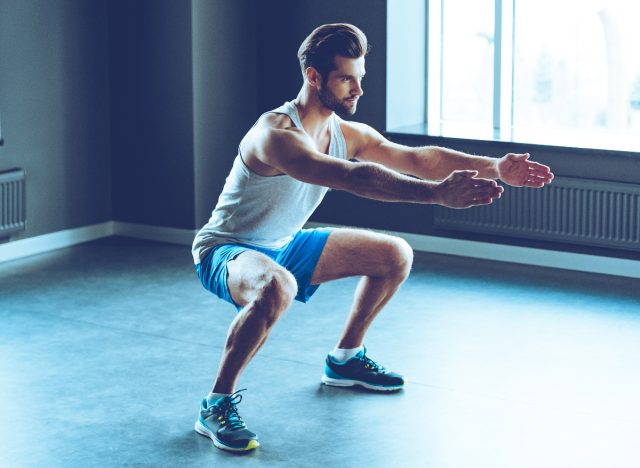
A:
12,202
579,211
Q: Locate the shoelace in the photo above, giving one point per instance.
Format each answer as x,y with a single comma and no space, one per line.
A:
370,364
228,412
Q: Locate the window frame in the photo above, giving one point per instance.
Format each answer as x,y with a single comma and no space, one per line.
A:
501,129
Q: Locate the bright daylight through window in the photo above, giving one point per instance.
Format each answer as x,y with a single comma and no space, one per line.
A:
557,72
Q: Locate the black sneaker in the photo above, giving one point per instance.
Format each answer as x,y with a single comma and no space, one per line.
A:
221,422
360,370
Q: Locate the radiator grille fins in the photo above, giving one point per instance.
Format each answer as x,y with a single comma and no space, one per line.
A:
12,202
579,211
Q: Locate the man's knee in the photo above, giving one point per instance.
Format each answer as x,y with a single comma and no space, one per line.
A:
276,290
399,258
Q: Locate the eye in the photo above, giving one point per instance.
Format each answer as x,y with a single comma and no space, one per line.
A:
346,78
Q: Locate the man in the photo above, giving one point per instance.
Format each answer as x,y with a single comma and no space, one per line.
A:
253,251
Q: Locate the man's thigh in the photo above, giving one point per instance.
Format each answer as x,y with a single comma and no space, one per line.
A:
358,252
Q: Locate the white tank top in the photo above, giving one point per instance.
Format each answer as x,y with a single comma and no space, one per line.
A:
264,211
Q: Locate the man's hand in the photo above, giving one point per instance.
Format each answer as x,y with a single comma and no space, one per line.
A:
518,171
462,190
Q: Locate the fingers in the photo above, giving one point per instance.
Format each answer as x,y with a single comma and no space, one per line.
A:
537,172
535,183
540,172
484,194
483,186
535,175
484,183
481,201
537,167
462,190
496,192
538,177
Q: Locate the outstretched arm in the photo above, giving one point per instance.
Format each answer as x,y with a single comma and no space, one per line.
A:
291,152
436,163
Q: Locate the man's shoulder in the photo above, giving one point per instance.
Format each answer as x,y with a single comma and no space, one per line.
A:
351,125
272,125
271,130
274,120
357,132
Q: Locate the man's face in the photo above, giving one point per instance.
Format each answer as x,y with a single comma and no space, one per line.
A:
341,90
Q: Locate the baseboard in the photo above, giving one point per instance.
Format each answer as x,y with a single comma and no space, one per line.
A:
515,254
21,248
483,250
154,233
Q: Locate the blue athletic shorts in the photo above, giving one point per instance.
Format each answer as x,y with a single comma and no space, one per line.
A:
299,256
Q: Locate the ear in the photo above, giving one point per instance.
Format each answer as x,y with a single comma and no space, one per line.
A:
314,78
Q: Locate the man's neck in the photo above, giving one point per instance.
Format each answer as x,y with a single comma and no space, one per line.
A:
313,114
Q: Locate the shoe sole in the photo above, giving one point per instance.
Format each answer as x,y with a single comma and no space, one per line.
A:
358,383
200,429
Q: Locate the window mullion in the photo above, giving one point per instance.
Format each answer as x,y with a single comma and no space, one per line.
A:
497,68
434,66
503,69
508,48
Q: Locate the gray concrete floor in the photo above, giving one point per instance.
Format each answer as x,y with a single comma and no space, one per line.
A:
107,348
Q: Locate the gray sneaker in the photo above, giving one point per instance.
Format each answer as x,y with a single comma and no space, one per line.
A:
221,422
361,371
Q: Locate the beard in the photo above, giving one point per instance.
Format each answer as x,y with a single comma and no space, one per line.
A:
331,101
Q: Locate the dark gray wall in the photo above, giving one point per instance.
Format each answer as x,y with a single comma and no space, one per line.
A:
94,88
183,92
54,100
150,72
282,25
224,79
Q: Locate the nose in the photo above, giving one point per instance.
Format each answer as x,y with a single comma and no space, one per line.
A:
357,88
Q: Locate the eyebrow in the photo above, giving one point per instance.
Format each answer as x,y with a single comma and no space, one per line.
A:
350,76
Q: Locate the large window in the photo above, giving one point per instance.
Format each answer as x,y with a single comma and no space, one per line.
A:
550,71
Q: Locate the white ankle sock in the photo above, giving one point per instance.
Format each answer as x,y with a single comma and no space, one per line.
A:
344,354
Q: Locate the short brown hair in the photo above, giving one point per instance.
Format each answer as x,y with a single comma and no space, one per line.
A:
320,47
